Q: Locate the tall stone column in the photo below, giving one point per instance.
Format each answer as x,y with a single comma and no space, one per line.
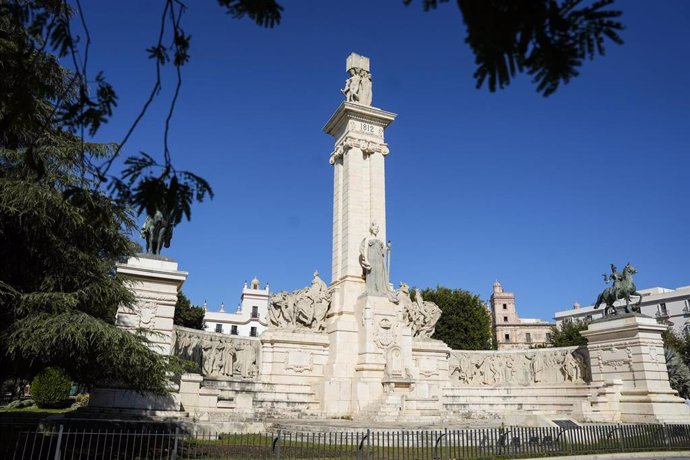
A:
358,200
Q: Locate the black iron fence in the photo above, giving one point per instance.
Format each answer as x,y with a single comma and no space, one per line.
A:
62,442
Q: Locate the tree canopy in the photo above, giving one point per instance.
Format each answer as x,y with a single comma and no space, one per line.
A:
547,39
62,232
567,334
465,323
188,315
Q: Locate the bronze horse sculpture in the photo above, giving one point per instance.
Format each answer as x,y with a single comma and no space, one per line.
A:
158,232
623,287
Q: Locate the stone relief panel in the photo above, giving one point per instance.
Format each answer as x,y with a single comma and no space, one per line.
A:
299,361
303,309
614,359
146,311
542,367
419,314
385,334
218,355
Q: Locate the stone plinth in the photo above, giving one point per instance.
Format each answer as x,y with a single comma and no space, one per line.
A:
430,367
384,350
293,357
627,362
120,398
155,281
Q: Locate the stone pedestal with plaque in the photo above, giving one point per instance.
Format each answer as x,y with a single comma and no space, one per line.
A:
155,281
626,354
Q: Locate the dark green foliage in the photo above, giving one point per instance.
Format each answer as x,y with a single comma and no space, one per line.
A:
568,334
50,388
678,372
61,235
465,323
678,341
547,39
265,13
188,315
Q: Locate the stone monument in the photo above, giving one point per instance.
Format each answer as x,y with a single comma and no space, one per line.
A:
358,349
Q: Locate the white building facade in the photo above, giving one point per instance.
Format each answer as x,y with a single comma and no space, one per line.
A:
251,317
668,306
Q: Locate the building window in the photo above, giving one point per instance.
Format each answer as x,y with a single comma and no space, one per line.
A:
662,309
505,319
567,320
548,337
255,312
233,330
219,328
507,337
505,306
252,331
588,318
528,337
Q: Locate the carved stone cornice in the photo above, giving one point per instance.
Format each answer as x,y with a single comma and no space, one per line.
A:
350,142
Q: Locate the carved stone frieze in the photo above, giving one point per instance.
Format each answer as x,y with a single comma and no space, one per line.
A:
549,366
218,355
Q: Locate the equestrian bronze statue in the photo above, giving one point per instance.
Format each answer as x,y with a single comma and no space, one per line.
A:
622,288
157,231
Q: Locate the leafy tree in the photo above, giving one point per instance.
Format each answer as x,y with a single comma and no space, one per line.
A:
678,341
547,39
187,315
568,334
465,323
61,232
678,372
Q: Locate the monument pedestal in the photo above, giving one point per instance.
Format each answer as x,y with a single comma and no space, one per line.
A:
155,281
628,351
384,350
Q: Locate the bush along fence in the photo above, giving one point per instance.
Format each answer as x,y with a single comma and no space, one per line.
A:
62,442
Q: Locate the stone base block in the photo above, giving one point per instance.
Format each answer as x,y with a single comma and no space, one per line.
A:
642,406
118,398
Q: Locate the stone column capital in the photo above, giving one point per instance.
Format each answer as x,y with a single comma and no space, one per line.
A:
351,142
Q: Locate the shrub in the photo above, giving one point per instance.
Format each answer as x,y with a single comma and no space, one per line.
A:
678,373
51,388
82,399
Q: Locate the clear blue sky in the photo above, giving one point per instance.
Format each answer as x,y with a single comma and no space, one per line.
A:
539,193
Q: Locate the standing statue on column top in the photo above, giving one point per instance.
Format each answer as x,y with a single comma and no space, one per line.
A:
372,258
358,86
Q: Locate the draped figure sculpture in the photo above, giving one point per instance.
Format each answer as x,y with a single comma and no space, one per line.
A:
303,309
372,257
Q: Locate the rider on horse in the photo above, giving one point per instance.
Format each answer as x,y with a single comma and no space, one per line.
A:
622,288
